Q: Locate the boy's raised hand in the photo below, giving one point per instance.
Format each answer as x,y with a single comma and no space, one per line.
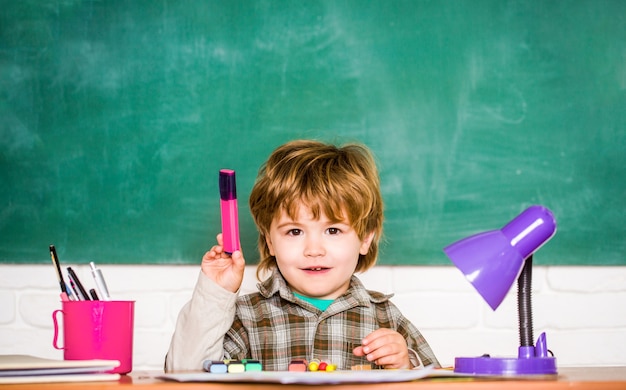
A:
385,347
224,269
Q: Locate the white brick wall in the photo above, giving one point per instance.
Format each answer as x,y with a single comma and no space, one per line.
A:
582,309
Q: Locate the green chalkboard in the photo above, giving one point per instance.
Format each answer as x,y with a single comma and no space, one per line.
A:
115,117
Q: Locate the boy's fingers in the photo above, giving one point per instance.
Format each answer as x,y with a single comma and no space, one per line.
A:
238,259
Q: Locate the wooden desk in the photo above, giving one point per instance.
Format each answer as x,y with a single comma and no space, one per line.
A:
578,378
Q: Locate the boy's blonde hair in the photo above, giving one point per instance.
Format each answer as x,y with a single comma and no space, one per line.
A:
325,178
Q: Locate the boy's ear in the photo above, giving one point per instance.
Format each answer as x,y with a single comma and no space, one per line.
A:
365,244
270,247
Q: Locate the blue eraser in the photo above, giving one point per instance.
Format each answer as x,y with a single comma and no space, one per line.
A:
215,366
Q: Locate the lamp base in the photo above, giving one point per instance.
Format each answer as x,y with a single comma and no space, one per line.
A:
485,365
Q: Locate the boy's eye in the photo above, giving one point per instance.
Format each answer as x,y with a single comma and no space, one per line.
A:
333,230
294,232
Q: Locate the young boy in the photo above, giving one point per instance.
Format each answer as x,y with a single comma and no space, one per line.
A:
319,212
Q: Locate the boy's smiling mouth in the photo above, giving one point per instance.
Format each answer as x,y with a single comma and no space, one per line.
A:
316,269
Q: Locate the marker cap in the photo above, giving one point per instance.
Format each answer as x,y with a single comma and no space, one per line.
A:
228,188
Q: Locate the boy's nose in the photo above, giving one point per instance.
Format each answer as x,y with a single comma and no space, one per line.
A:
314,247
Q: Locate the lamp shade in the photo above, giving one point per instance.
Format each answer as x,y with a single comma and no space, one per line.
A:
492,261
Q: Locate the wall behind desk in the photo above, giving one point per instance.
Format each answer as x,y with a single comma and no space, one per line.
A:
116,116
454,320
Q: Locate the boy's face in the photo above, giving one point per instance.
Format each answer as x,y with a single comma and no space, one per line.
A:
316,257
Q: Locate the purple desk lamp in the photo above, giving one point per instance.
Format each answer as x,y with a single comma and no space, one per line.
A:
491,261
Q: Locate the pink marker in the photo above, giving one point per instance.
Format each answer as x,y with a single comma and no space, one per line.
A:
228,205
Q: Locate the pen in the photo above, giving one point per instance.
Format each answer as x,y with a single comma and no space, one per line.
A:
79,296
100,283
82,293
55,261
94,295
70,295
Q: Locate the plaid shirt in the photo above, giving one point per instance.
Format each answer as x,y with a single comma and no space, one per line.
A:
275,327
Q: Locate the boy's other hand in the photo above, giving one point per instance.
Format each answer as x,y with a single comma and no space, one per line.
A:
385,347
224,269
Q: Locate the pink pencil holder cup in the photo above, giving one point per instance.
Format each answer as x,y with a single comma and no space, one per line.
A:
97,330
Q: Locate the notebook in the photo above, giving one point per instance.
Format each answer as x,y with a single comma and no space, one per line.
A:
33,369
